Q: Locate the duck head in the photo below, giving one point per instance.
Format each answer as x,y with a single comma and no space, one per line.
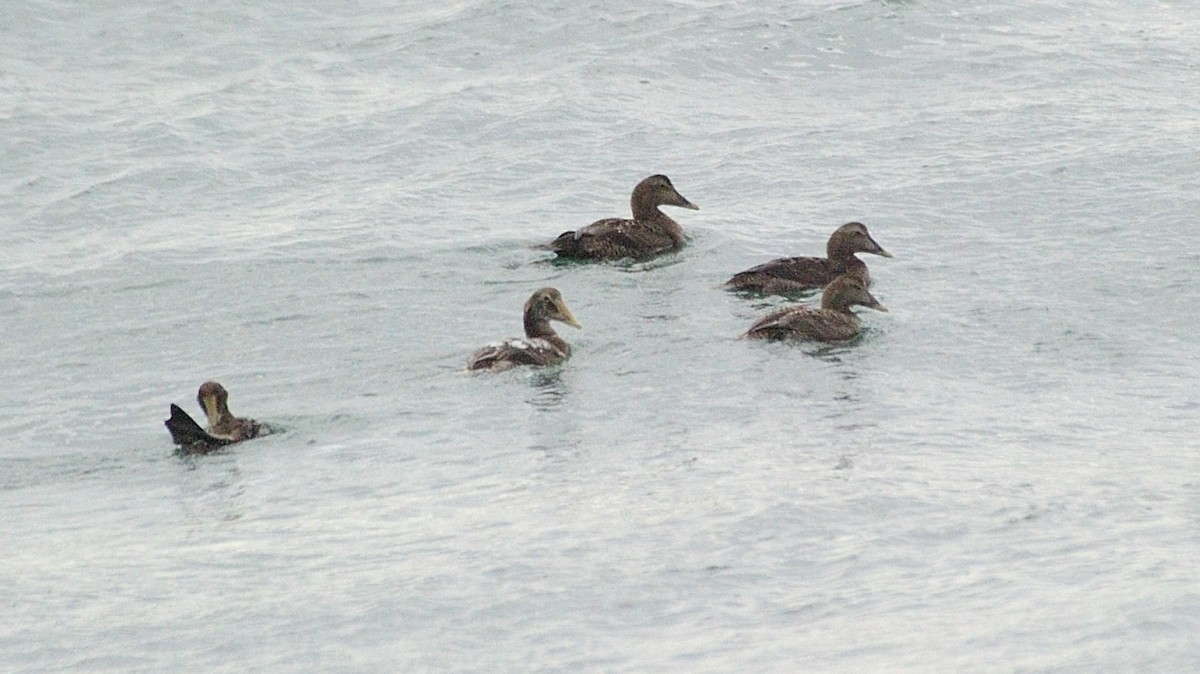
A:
547,305
656,191
214,400
851,238
847,291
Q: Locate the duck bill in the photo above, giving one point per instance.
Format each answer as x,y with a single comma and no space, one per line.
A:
877,306
879,249
211,411
684,203
566,316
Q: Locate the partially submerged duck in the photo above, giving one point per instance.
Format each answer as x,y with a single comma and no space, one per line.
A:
649,233
833,322
541,345
794,274
223,428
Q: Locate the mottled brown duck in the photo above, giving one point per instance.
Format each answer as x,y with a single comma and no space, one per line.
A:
223,428
540,346
832,322
796,274
650,232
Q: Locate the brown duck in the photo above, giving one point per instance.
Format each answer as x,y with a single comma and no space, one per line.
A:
833,322
223,427
541,345
649,233
794,274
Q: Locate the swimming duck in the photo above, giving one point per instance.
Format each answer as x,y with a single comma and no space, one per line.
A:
541,345
223,427
833,322
649,233
792,274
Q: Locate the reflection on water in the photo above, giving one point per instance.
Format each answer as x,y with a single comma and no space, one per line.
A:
554,427
547,389
832,353
211,487
826,485
18,473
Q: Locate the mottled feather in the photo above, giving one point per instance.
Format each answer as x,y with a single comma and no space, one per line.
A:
540,346
223,428
650,232
832,322
797,274
500,356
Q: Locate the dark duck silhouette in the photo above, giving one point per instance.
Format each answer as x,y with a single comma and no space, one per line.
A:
833,322
541,345
794,274
649,233
223,428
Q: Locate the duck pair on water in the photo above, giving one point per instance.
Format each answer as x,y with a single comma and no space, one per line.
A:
650,232
846,279
832,322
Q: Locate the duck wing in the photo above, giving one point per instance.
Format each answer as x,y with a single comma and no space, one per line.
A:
784,274
513,352
775,325
803,323
612,239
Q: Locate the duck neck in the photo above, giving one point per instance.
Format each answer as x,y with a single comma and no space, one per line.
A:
841,310
832,301
841,257
642,207
220,417
539,328
659,220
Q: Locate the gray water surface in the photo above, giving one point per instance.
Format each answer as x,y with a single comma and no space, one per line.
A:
329,207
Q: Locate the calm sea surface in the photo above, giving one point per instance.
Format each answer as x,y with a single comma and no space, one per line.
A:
328,206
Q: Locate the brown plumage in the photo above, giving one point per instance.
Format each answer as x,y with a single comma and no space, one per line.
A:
223,428
649,233
833,322
541,345
793,274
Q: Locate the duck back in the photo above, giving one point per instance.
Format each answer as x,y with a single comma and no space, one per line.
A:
513,352
614,239
820,325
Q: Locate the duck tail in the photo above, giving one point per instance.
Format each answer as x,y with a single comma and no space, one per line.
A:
568,244
185,432
743,280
